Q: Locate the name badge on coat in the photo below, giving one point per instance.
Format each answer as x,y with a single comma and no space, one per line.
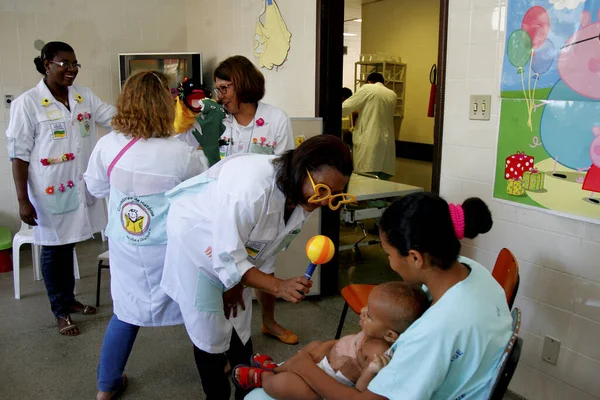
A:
255,248
59,130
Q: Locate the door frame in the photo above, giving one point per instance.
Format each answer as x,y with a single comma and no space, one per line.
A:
440,98
329,72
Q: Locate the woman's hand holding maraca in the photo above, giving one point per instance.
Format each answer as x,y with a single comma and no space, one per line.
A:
294,289
319,250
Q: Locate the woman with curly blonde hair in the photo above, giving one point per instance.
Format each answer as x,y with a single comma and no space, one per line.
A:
136,164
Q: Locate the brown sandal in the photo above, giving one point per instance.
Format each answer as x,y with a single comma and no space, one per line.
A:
81,308
68,326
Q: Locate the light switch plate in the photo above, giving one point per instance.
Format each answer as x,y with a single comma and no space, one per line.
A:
8,98
551,350
479,107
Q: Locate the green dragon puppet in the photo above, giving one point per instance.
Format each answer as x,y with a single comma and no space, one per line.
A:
194,105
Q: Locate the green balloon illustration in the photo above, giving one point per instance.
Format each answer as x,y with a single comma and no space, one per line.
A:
519,48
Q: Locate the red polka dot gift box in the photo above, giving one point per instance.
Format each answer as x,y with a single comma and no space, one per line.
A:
516,165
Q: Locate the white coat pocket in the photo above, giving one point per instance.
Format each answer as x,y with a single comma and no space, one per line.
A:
262,147
209,295
61,199
84,120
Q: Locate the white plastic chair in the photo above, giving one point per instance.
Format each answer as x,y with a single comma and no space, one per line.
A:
25,235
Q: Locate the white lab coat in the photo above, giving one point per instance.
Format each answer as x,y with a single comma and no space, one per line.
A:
373,139
42,128
270,132
149,167
226,212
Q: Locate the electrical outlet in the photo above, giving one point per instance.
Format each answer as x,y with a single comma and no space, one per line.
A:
479,107
551,350
8,98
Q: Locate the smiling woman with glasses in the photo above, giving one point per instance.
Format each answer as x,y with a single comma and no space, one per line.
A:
51,133
225,229
251,126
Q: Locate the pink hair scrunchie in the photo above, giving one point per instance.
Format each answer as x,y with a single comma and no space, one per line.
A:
458,219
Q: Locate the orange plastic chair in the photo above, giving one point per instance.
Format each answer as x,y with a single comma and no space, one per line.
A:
506,273
356,297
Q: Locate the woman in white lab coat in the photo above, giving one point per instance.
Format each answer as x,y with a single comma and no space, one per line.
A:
136,164
51,133
225,228
252,126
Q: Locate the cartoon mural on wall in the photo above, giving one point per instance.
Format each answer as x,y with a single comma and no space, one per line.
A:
272,38
549,140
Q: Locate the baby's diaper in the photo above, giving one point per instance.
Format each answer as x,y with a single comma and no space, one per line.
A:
338,376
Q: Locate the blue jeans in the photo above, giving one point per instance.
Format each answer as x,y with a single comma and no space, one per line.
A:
116,348
57,270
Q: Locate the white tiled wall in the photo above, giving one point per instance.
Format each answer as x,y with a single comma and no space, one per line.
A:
558,257
223,28
98,31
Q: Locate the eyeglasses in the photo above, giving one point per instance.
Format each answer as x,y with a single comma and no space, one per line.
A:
323,192
65,64
222,89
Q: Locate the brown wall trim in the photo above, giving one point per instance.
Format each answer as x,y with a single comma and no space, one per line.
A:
330,64
328,104
440,98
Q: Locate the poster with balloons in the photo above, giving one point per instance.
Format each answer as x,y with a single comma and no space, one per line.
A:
549,141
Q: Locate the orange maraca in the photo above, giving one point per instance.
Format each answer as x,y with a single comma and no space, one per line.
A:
319,250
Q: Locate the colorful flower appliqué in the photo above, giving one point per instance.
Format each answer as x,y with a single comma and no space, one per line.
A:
61,188
78,98
260,122
82,116
57,160
45,102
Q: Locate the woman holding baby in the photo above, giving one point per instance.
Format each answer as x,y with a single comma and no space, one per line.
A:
451,351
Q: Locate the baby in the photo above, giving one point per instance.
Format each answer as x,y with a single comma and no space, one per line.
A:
354,360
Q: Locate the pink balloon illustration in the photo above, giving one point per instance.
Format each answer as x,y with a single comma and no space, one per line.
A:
536,22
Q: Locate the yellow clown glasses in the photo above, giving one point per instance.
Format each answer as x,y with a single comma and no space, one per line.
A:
323,192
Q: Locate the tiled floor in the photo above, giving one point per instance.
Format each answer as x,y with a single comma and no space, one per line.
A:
37,363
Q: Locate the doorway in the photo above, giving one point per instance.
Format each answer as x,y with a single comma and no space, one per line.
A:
398,38
418,130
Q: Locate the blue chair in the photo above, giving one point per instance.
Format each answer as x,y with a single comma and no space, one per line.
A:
508,362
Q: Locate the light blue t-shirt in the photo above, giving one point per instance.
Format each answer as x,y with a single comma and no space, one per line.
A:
452,351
